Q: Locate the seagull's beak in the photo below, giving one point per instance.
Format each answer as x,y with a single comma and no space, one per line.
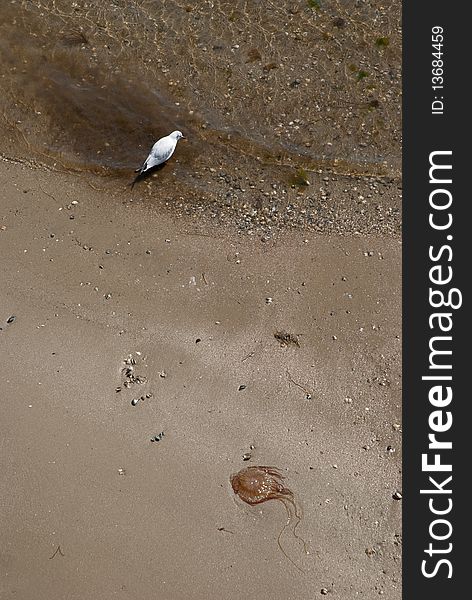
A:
183,138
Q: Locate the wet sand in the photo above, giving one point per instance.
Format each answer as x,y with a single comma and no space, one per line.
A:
95,276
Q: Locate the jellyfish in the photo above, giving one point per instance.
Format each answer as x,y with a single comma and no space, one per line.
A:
255,485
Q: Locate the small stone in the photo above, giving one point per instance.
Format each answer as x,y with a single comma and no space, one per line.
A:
241,387
107,296
134,401
323,591
163,374
11,319
269,300
397,496
247,456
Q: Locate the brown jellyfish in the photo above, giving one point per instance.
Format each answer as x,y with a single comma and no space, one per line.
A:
255,485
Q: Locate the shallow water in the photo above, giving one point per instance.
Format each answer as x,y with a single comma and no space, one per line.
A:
92,85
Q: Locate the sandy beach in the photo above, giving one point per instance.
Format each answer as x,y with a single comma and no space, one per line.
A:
136,518
241,307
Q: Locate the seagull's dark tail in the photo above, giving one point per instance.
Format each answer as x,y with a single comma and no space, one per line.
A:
139,176
144,173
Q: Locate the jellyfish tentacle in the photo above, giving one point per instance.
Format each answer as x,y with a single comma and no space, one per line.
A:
279,543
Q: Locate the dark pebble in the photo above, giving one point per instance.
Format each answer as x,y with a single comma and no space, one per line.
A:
241,387
11,319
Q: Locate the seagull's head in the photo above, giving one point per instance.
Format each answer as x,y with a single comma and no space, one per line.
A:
177,135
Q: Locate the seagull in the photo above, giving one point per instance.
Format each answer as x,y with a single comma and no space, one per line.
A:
160,153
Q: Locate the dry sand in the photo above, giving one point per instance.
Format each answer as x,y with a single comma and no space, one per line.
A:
93,279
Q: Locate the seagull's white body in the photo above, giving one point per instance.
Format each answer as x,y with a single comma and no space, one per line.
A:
161,151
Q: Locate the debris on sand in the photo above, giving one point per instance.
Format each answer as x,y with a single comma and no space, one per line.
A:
286,339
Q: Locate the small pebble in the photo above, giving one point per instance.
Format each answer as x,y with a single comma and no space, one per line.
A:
323,591
269,300
397,496
134,401
241,387
11,319
247,456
